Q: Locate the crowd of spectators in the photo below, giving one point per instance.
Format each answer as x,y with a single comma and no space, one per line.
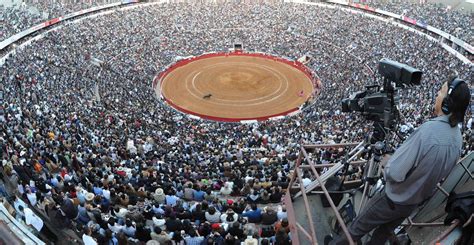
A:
455,22
96,150
27,13
31,12
16,19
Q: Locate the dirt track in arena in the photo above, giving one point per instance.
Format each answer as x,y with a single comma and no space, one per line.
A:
241,88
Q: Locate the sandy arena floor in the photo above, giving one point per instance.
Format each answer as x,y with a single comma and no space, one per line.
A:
241,87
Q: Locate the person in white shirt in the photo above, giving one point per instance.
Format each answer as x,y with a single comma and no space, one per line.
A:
306,181
87,239
114,226
106,193
158,221
226,189
248,177
281,214
31,197
21,189
213,215
17,204
32,219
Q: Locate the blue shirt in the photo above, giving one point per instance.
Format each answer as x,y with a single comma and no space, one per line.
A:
199,196
105,203
81,197
158,210
54,182
194,240
254,216
97,191
82,215
129,231
171,200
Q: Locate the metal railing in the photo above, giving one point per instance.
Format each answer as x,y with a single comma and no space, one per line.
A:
304,162
319,182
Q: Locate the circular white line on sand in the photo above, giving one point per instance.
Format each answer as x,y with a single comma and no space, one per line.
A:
232,102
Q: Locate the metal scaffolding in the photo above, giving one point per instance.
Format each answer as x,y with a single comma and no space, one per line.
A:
298,190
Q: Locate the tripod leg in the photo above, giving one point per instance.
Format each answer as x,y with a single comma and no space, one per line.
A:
366,186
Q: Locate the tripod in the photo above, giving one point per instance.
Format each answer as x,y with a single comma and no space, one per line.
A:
375,146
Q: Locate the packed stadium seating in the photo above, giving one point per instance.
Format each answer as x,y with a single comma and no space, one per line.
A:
128,168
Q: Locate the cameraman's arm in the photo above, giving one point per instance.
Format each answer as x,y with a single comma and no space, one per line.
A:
402,161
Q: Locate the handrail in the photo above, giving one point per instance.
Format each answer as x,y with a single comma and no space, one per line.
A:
295,179
328,197
446,232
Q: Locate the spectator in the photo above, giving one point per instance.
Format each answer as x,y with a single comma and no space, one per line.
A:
281,214
269,216
142,233
173,224
161,236
252,240
199,195
193,238
226,189
114,147
254,215
212,215
129,228
229,217
87,239
283,224
282,238
178,238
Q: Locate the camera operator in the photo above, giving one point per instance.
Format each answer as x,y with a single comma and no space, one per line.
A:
416,167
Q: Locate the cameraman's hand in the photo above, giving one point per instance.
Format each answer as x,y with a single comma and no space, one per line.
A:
385,159
383,164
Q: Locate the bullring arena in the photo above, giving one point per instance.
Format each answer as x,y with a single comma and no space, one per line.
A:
236,86
217,122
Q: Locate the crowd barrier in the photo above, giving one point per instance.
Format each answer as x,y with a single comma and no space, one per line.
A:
157,81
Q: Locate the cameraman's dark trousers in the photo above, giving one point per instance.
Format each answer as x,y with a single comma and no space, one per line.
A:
381,213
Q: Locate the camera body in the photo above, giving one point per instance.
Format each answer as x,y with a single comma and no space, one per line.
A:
371,103
377,103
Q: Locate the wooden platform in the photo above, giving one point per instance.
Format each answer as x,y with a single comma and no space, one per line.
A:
239,86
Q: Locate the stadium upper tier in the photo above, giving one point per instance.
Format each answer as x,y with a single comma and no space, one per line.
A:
77,126
455,22
21,16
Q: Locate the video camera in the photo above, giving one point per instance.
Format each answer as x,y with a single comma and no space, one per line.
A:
377,103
